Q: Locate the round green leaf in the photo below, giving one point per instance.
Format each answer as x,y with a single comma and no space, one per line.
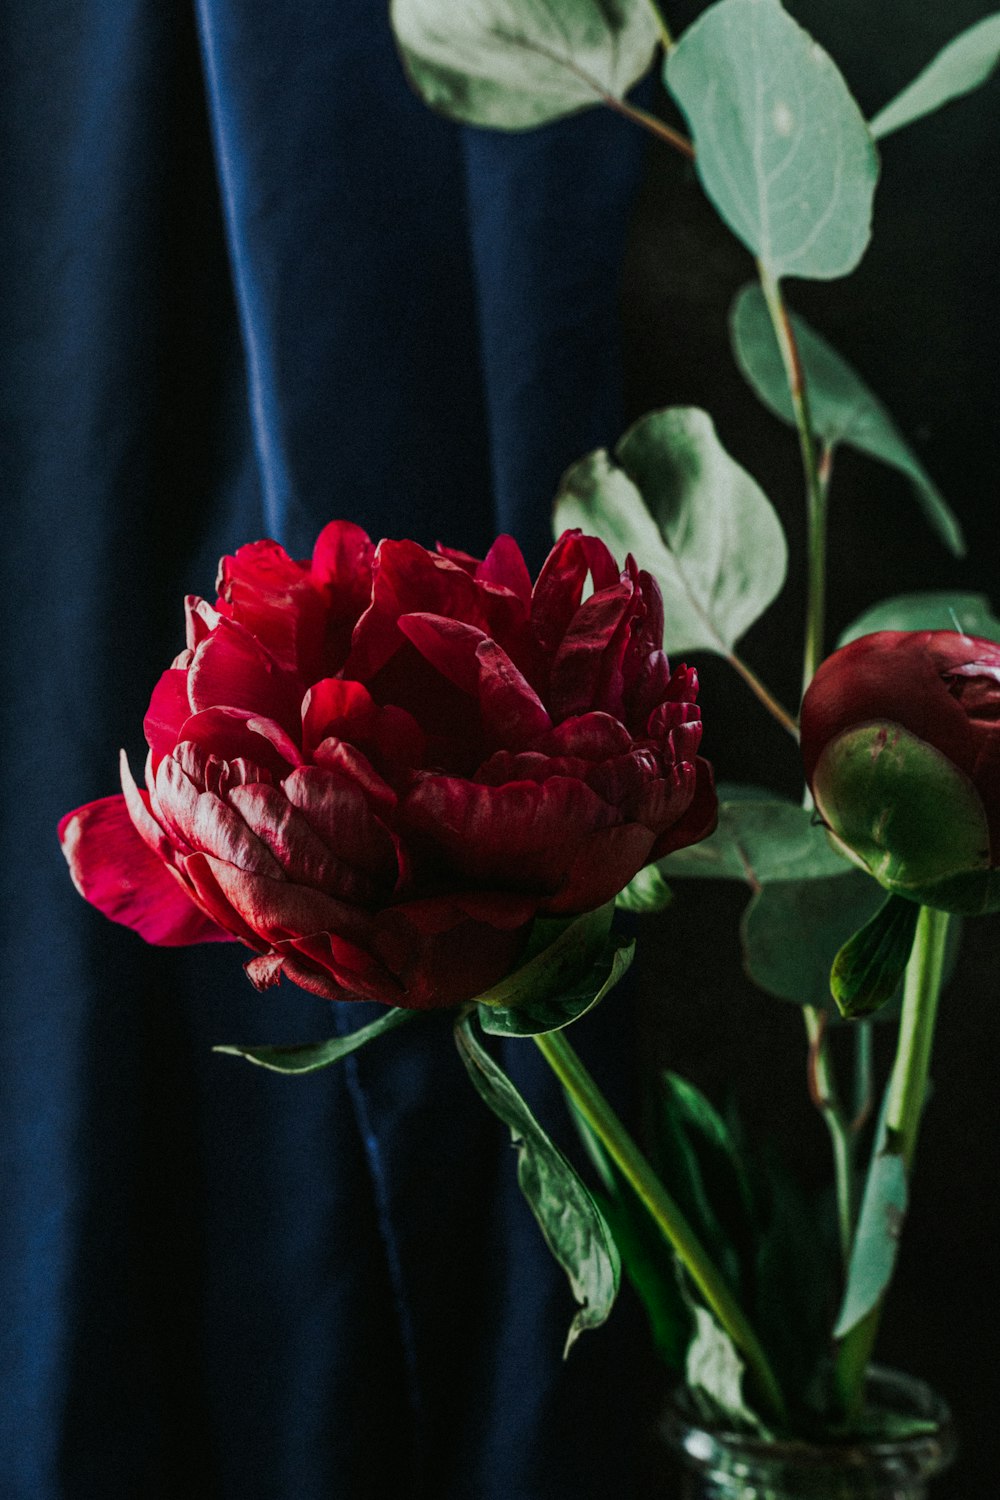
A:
674,498
514,64
781,147
841,406
758,842
968,613
792,931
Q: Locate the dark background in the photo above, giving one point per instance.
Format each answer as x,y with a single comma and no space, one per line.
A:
920,320
251,284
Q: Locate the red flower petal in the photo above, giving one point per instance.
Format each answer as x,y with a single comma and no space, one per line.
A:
139,811
301,853
346,710
504,567
337,809
276,599
168,709
592,736
204,822
510,709
442,955
236,734
279,909
232,670
524,835
407,579
700,819
602,867
557,594
115,871
587,669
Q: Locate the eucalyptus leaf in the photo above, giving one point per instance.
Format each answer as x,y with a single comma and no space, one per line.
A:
535,1016
781,147
876,1243
841,406
869,967
714,1376
965,63
968,613
673,496
308,1057
793,929
570,1220
514,64
646,893
759,842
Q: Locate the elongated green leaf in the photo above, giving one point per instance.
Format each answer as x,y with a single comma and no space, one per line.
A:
307,1057
876,1243
697,520
868,969
792,931
970,613
567,1215
781,147
758,842
961,66
513,64
842,408
647,1259
534,1016
646,893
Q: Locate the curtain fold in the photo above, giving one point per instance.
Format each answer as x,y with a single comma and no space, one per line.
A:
252,284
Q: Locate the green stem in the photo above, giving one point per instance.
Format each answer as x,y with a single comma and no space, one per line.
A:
814,477
661,24
594,1108
823,1089
904,1105
761,691
652,123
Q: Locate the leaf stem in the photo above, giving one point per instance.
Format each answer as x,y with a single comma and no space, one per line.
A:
592,1105
904,1105
651,123
815,477
761,691
823,1090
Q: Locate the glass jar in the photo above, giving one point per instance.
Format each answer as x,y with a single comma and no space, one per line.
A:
718,1465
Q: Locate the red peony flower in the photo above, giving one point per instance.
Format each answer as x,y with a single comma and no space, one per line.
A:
375,768
901,745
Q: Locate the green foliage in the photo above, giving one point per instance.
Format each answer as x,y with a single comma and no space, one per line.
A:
961,66
567,1215
702,526
307,1057
760,839
714,1374
876,1243
535,1015
781,147
647,1259
970,613
513,64
841,406
560,954
869,968
793,929
646,893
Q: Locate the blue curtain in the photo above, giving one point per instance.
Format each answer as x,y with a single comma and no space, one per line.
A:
251,284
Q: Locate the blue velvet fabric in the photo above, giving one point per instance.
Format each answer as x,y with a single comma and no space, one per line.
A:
251,284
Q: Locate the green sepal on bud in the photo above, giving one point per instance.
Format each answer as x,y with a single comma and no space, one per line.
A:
904,812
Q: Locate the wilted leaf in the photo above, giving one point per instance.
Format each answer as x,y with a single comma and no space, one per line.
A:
961,66
841,406
781,147
535,1016
567,1215
307,1057
513,64
700,524
970,613
758,842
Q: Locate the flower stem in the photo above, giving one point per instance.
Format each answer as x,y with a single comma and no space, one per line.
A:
904,1105
823,1089
593,1106
814,477
761,691
661,24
